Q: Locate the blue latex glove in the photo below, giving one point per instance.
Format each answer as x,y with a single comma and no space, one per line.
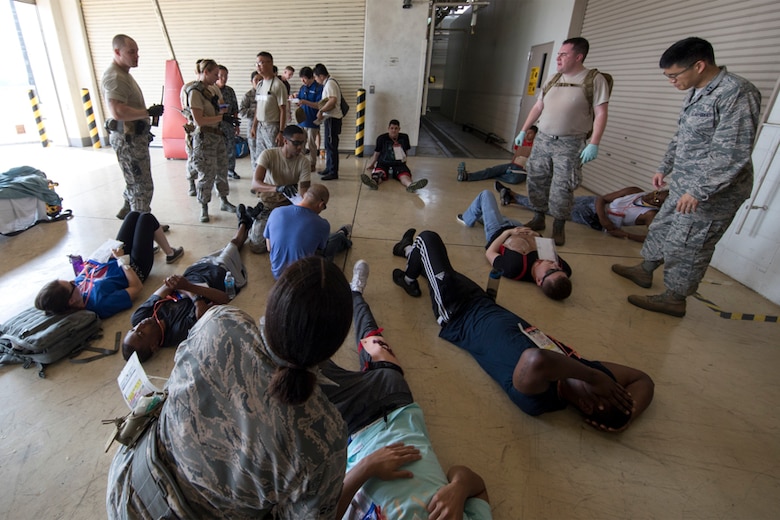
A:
589,153
520,138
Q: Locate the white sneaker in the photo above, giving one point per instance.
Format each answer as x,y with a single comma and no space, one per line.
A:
359,276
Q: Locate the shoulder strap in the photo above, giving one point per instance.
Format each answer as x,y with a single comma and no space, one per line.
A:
551,83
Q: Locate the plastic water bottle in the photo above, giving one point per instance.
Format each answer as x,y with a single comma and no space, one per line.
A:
77,263
230,285
494,279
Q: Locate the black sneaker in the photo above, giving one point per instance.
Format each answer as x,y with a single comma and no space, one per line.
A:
177,253
406,240
412,289
504,194
233,175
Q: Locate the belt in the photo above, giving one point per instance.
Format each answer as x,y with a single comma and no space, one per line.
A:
209,130
564,137
135,127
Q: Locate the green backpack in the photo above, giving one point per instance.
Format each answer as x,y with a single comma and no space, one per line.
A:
587,86
35,338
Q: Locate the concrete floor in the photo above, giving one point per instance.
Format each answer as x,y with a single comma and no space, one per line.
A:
706,448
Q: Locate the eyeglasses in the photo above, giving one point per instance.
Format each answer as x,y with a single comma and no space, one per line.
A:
296,143
674,75
550,272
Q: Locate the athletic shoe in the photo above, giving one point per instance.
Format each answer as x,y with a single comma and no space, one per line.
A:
242,212
165,228
368,181
504,194
359,276
460,219
330,177
406,240
346,229
177,253
417,185
412,289
462,173
233,175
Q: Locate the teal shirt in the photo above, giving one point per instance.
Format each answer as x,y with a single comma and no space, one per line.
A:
403,498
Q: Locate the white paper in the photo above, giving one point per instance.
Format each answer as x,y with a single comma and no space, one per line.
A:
104,252
540,339
398,152
545,247
133,381
295,199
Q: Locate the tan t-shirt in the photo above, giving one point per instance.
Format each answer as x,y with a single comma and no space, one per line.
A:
121,86
280,171
566,110
198,100
270,97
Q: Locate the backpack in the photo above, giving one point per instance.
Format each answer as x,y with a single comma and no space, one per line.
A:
344,106
587,86
32,337
242,147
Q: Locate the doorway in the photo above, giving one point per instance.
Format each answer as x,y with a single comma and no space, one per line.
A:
538,62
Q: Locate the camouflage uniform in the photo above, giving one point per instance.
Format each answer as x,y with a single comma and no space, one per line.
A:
709,158
131,143
189,129
229,98
247,111
234,451
209,157
132,152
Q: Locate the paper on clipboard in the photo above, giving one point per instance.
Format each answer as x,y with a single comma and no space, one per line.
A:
295,199
133,381
545,247
103,253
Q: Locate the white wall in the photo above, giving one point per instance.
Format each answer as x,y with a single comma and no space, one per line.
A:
394,64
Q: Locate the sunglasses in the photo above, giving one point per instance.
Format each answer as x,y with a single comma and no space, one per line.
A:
550,272
296,143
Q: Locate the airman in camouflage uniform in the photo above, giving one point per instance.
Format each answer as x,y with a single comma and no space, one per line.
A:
247,111
130,126
209,157
230,131
710,173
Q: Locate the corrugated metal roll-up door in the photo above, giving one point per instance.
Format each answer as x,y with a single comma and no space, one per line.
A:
627,38
300,33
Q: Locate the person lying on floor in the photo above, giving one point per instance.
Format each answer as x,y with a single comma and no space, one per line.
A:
166,317
378,407
609,213
511,173
511,249
538,380
109,287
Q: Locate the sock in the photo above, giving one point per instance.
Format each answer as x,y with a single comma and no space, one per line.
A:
408,280
408,251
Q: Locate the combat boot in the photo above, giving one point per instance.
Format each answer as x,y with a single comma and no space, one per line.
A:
226,205
558,234
666,303
536,223
193,190
635,273
204,212
123,211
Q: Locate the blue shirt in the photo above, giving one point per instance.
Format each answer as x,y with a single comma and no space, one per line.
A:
295,232
103,288
312,93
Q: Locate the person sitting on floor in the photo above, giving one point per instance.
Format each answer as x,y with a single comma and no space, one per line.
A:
166,317
537,379
378,407
389,160
109,287
297,231
609,213
511,173
511,249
